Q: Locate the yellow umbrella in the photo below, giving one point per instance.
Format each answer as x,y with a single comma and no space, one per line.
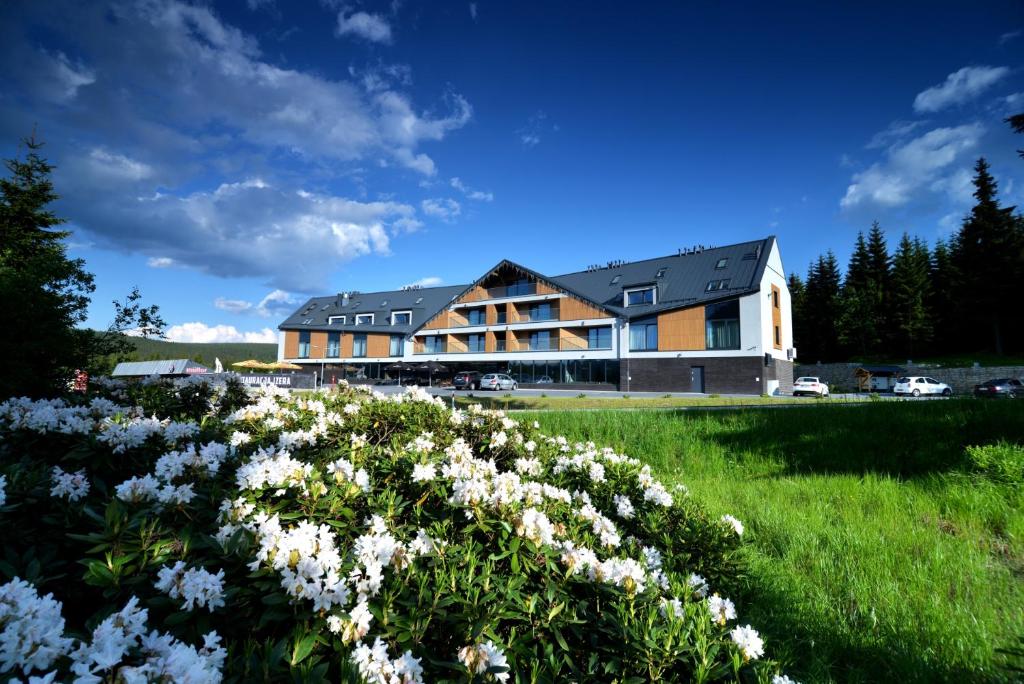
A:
284,365
251,363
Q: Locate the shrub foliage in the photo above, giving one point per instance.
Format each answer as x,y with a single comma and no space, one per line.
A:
178,531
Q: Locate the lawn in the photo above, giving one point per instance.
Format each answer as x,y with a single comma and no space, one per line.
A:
874,555
563,402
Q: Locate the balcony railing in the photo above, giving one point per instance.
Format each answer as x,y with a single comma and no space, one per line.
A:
436,349
515,346
502,318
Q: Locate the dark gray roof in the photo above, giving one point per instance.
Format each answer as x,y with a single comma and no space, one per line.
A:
161,367
684,281
317,309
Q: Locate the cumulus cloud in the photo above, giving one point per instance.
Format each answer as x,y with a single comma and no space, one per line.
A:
910,167
442,208
478,195
960,86
895,131
160,262
371,27
275,304
428,281
197,331
119,166
232,305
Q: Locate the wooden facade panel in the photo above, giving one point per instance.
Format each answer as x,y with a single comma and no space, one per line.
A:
317,345
346,345
291,344
457,344
572,309
378,346
572,338
681,330
438,321
490,341
544,288
492,314
776,317
475,295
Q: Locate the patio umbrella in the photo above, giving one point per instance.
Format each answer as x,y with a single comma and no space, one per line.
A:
434,367
400,366
284,365
252,364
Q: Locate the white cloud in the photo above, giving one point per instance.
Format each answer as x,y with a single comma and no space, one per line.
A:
160,262
445,209
200,332
371,27
232,305
910,167
275,304
1007,37
959,86
537,125
895,131
472,10
469,192
117,165
68,77
428,281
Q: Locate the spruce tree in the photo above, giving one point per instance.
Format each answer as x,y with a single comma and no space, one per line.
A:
822,307
880,282
859,328
797,298
987,260
909,296
942,299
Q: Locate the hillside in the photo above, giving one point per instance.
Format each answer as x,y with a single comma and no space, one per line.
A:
227,352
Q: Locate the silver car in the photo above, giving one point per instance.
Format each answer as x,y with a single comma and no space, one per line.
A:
498,381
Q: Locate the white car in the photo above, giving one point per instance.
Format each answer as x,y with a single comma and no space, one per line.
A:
809,385
918,385
498,381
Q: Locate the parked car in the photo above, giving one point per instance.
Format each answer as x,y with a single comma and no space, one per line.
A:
917,386
1010,388
809,385
544,380
498,381
466,380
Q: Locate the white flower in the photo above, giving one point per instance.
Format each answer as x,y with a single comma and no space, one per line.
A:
423,472
623,506
722,609
240,438
195,585
478,659
138,489
72,486
698,585
536,527
672,608
31,628
749,642
362,479
498,439
736,524
783,679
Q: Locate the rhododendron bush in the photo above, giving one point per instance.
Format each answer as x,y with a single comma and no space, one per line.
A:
181,531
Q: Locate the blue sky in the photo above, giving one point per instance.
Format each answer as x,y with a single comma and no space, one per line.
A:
232,158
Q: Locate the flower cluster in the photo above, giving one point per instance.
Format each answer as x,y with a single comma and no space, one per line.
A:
196,586
482,658
70,486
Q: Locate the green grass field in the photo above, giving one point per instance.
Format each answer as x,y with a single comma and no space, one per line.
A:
518,402
873,554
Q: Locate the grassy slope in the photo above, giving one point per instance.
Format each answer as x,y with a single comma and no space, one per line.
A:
872,557
228,352
569,403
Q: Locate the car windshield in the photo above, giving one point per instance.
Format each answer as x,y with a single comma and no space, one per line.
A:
807,379
903,380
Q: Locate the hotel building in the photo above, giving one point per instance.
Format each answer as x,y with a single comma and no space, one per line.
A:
714,320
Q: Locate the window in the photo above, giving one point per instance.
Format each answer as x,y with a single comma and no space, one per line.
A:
395,347
616,279
401,317
359,344
307,321
778,337
715,285
661,273
384,304
599,338
325,307
476,317
475,343
643,335
540,312
502,317
419,300
331,320
722,263
499,344
722,325
775,299
640,296
364,319
433,344
520,287
540,340
304,344
333,345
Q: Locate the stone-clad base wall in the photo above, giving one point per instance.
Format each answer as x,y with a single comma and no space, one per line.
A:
839,376
722,375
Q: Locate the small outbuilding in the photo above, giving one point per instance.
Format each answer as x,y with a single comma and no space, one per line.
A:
877,378
171,368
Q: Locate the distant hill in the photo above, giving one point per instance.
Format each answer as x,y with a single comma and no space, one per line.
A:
227,352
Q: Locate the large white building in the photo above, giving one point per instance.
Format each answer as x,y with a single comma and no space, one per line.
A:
703,320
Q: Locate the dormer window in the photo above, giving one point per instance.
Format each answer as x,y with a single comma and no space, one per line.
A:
364,319
331,320
401,317
639,296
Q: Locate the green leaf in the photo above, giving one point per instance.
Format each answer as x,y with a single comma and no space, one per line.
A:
302,648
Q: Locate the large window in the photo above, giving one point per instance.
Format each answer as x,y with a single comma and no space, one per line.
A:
333,345
502,316
395,347
540,340
540,312
520,287
599,338
643,335
723,325
433,344
304,344
640,296
364,319
475,343
359,344
401,317
476,317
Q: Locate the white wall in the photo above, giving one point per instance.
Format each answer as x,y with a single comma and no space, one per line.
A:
775,274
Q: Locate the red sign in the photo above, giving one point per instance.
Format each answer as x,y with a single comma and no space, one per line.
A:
81,381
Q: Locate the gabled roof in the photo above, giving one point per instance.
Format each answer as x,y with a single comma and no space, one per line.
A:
162,367
317,310
684,282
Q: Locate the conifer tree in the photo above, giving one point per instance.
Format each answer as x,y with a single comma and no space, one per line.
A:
859,328
797,297
910,295
822,308
942,304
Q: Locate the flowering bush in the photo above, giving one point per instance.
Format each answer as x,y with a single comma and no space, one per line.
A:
180,531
